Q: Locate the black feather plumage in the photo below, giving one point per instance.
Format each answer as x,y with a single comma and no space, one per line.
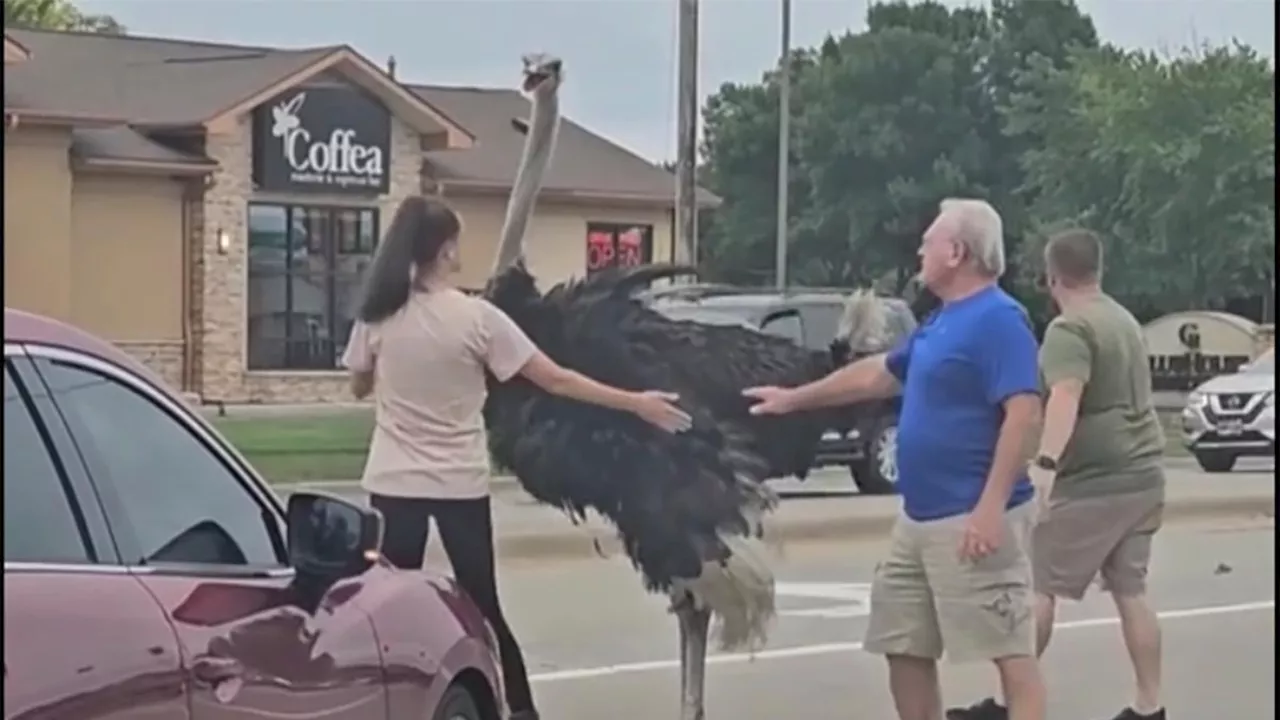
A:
670,496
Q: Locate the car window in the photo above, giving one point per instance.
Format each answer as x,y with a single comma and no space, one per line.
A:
176,498
786,326
822,322
40,521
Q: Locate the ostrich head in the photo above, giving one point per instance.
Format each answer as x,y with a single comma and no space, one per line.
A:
542,75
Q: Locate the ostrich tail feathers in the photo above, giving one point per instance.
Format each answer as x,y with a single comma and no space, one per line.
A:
864,326
739,592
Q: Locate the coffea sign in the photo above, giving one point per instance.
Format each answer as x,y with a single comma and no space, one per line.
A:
331,140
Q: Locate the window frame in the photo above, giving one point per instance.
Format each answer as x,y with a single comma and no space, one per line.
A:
615,230
336,250
238,470
86,507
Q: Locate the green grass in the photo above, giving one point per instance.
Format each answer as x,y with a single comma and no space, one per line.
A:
293,448
332,446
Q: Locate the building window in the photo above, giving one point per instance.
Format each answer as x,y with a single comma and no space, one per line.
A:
305,264
618,245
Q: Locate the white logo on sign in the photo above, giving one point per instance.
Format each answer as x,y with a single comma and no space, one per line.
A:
854,599
318,161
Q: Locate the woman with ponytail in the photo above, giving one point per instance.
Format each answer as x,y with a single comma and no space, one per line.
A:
421,347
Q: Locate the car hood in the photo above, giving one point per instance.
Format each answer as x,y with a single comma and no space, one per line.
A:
1240,383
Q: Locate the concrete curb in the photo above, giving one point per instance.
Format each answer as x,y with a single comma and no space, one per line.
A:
588,541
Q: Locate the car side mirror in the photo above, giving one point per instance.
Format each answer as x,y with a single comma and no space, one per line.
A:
331,538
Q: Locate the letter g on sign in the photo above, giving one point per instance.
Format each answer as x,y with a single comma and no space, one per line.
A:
1189,336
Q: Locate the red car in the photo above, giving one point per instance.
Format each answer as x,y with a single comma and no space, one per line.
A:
150,573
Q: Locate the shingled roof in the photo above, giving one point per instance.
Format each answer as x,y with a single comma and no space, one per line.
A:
585,165
119,91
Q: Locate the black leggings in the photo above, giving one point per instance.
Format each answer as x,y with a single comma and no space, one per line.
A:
466,528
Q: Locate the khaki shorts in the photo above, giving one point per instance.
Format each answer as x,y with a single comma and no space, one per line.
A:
925,598
1107,536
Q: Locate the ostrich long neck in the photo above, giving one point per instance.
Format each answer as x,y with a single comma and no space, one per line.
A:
538,145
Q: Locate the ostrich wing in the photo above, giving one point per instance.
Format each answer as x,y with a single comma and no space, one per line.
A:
672,497
709,365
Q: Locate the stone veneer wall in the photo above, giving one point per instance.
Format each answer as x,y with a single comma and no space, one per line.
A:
222,280
163,358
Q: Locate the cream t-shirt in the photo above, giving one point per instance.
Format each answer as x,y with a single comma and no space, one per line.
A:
428,362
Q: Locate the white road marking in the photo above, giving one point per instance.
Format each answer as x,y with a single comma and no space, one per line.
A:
854,599
856,592
850,647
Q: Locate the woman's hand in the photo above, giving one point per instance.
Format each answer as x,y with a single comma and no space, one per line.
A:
658,408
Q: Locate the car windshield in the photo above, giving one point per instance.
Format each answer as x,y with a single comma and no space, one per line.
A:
1265,365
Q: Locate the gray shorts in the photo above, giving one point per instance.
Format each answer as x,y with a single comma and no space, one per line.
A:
1107,537
925,598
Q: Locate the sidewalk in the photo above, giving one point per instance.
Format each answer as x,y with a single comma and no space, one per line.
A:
528,530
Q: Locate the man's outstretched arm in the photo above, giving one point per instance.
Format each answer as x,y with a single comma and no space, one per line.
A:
874,377
866,379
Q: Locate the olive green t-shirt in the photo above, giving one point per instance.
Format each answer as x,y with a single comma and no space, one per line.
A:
1118,443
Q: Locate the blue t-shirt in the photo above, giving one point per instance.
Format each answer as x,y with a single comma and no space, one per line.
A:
957,370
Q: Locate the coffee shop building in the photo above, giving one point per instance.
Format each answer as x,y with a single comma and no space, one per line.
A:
211,208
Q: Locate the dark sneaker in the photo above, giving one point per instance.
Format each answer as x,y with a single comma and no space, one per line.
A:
988,709
525,715
1131,714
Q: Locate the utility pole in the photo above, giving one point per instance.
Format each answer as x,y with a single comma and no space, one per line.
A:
687,130
784,145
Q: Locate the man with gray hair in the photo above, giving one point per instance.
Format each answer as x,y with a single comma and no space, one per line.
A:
958,575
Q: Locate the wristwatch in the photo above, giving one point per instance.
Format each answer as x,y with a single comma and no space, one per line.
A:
1044,462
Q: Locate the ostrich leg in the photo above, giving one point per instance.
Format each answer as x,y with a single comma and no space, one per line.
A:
695,625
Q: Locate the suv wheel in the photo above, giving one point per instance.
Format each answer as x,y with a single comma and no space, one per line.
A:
457,704
1216,461
877,472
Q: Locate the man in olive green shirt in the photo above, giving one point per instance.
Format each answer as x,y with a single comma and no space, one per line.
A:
1098,472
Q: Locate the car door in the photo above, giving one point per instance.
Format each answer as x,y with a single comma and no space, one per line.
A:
82,637
206,539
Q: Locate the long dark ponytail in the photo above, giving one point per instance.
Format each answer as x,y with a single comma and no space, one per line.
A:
411,244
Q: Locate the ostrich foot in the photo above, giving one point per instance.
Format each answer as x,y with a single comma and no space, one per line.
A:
695,627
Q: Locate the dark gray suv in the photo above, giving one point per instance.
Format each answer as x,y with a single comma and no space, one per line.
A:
865,440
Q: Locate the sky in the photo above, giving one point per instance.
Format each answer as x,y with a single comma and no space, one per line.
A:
620,55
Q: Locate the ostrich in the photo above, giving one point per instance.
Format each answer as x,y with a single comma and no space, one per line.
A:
689,508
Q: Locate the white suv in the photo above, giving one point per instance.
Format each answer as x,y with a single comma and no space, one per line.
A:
1233,416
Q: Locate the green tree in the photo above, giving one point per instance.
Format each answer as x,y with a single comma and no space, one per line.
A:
1171,160
887,122
57,15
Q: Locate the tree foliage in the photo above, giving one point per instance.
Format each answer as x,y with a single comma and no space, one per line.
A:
57,15
1172,160
1017,103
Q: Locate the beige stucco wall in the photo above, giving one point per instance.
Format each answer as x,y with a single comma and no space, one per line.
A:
37,221
557,236
222,279
127,276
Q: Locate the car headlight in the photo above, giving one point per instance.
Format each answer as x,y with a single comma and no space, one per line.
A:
1197,400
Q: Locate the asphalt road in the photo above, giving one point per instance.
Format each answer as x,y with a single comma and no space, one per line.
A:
600,647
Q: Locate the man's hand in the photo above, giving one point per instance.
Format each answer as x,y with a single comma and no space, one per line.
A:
772,400
983,531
